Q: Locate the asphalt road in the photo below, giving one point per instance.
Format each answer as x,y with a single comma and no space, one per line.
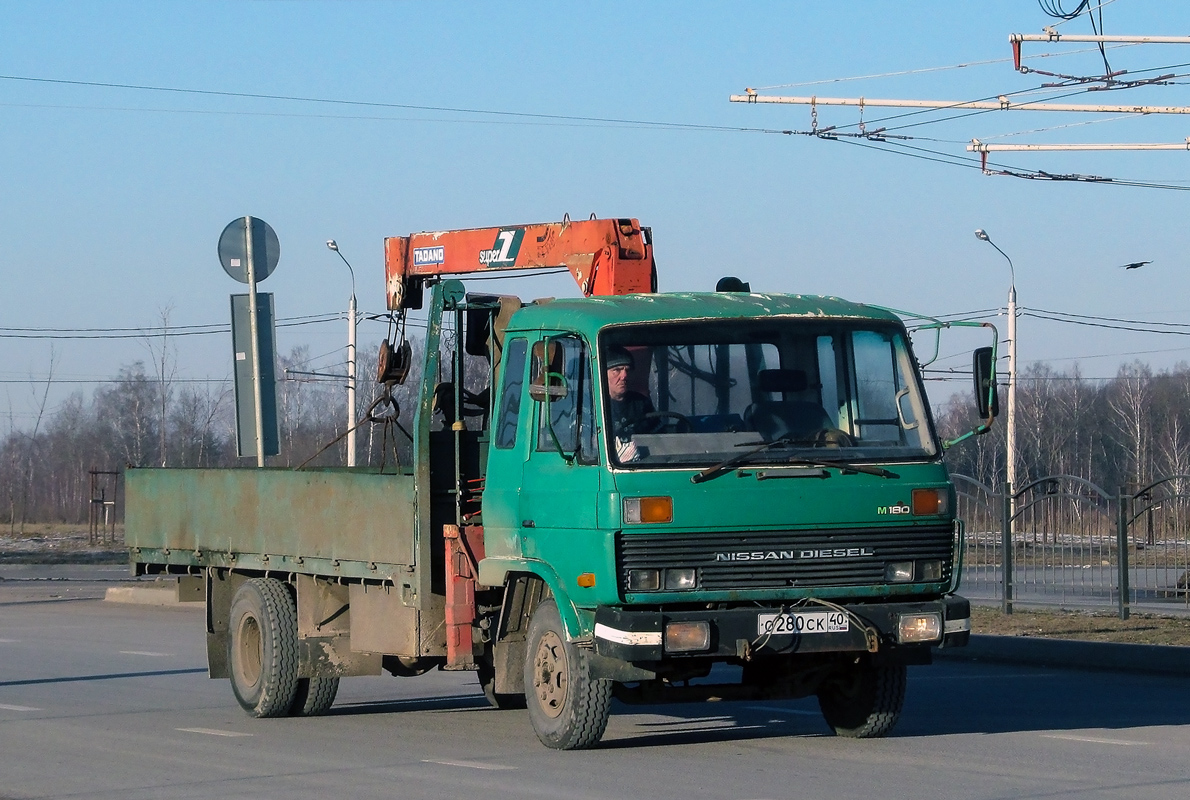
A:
100,700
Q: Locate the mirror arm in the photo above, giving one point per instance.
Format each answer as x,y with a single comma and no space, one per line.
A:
549,418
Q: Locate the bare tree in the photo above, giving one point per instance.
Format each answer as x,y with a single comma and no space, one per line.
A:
31,451
1129,397
164,358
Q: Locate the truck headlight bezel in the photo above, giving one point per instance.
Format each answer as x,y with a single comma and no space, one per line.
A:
919,628
644,580
680,579
687,636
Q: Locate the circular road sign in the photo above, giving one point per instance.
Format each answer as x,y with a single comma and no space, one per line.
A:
233,252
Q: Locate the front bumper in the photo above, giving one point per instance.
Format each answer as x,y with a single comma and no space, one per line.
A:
637,635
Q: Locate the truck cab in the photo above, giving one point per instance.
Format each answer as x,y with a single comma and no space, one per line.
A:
740,479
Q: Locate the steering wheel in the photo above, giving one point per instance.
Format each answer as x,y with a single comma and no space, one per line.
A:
833,437
658,421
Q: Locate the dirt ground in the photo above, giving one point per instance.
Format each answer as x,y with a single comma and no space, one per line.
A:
60,543
1098,626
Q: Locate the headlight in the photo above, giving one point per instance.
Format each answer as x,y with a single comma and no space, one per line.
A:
931,570
685,578
915,628
899,572
654,580
644,580
685,637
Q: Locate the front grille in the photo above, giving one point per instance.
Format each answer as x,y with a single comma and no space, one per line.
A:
877,547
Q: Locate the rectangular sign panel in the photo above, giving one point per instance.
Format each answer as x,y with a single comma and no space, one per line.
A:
241,339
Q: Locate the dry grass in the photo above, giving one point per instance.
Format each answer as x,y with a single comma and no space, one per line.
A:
1099,626
59,542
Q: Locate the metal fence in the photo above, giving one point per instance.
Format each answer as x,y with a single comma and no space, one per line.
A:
1070,542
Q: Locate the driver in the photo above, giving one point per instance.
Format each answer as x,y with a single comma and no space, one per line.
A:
627,408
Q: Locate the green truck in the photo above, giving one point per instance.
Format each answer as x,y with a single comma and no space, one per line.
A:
651,497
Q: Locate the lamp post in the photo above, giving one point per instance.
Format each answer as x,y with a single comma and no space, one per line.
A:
351,323
1010,471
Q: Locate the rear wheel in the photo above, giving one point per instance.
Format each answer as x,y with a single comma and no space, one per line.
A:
863,701
262,647
568,708
313,697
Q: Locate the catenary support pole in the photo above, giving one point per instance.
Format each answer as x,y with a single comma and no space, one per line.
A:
1002,103
1006,550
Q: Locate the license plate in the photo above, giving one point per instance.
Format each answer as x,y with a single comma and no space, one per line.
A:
802,622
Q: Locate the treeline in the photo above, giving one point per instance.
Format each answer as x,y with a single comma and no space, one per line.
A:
1122,432
1126,431
144,417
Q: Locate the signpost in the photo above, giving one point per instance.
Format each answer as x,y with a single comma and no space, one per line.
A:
249,251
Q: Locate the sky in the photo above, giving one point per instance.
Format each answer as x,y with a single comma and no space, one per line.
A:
331,120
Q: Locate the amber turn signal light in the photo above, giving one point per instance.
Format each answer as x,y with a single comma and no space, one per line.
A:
586,580
930,502
648,509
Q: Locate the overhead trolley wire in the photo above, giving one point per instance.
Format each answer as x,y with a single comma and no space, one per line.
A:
155,332
402,106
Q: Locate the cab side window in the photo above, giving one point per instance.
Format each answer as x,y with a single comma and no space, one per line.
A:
510,393
571,415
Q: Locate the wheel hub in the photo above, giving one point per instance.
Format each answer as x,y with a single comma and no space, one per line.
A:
250,650
549,674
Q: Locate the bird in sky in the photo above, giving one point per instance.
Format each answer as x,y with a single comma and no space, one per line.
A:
1135,265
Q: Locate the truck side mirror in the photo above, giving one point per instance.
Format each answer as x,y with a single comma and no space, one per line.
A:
545,375
983,368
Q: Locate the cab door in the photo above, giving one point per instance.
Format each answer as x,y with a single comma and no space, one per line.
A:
511,441
560,486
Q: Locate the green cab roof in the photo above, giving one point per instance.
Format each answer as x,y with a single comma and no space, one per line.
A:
589,315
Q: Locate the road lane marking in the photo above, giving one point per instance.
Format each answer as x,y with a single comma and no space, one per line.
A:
144,653
777,709
468,764
1093,740
8,641
213,732
6,707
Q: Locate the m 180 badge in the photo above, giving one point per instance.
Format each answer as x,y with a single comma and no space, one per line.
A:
900,508
504,251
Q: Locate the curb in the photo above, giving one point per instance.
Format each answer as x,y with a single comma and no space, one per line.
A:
1151,659
148,596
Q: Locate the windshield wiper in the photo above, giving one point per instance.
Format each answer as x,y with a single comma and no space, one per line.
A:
843,466
724,467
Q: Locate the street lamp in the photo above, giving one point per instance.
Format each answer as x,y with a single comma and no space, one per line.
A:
351,323
1011,433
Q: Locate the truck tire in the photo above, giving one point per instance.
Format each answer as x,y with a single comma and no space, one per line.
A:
314,697
262,647
864,700
568,708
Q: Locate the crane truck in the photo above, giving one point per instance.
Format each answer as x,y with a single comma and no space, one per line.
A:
766,516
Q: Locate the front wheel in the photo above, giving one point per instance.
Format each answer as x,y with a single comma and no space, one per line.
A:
863,700
568,708
263,649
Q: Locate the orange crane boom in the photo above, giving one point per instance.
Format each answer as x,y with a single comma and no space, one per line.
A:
604,256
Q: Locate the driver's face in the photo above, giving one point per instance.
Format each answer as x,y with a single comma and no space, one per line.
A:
617,382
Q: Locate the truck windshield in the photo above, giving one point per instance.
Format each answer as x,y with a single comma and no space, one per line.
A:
696,394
